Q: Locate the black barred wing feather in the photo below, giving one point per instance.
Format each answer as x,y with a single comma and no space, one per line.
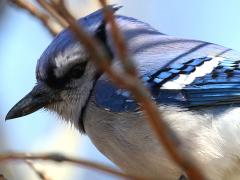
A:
204,81
221,86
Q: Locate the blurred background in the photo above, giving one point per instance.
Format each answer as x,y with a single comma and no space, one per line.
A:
23,39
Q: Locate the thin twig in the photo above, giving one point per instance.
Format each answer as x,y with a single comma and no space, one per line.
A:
47,6
59,158
118,40
39,173
44,18
165,135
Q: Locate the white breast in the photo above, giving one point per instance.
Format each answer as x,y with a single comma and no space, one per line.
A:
126,139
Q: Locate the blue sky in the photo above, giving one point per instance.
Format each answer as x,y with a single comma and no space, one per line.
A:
23,39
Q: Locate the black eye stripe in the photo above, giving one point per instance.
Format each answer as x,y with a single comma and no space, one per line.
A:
77,70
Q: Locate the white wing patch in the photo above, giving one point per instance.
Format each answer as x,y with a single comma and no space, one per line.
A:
185,79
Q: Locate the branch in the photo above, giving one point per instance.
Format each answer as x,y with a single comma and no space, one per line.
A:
48,7
119,42
44,18
59,158
40,174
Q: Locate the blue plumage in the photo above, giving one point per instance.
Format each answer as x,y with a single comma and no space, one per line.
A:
207,90
160,59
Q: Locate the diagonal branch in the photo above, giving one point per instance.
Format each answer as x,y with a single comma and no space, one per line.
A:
44,18
47,6
118,39
59,158
39,173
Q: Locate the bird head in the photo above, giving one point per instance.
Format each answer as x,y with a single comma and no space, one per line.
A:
65,75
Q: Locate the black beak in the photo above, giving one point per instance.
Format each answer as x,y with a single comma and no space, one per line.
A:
39,97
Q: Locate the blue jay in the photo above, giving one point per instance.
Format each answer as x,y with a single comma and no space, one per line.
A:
195,84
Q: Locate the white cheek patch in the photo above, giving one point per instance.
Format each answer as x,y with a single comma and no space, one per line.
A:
185,79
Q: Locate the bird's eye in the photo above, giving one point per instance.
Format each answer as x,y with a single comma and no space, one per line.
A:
77,70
